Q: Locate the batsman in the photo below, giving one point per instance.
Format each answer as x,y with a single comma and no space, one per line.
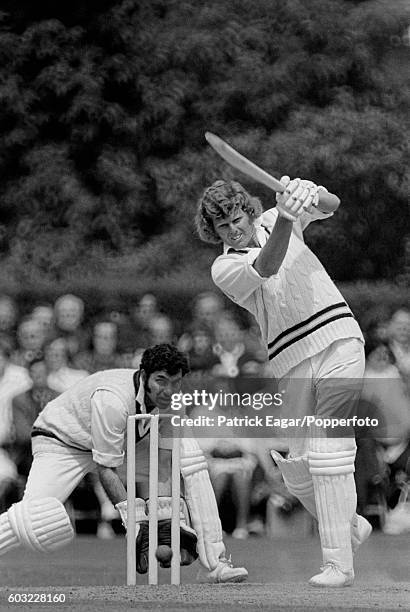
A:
83,430
315,346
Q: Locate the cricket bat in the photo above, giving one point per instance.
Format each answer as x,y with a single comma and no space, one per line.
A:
328,201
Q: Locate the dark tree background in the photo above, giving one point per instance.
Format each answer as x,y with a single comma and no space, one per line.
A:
104,105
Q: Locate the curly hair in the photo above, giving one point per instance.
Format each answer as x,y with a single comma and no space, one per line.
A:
164,357
220,200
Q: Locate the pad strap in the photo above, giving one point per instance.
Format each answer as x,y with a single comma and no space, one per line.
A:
332,456
327,464
297,478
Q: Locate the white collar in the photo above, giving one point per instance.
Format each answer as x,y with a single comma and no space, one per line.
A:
143,424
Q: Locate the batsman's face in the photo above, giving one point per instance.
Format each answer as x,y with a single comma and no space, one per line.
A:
236,230
161,386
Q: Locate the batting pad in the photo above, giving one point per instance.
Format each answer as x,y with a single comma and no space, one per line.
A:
200,498
297,478
335,494
41,524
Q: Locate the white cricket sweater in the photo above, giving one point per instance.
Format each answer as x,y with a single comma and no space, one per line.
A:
68,417
300,310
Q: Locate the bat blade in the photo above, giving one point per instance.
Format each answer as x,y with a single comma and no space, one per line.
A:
238,161
328,201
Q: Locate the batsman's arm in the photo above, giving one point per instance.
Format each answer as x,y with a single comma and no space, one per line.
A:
273,253
290,205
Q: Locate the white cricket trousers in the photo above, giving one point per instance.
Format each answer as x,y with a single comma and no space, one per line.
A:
56,469
325,385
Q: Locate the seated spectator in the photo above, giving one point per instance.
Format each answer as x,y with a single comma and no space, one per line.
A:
26,407
397,458
200,354
14,379
44,314
399,342
141,316
30,342
60,375
380,361
126,337
147,308
8,481
207,309
161,330
69,313
8,320
383,388
375,323
230,348
103,354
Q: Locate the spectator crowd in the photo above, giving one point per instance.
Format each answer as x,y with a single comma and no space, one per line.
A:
55,345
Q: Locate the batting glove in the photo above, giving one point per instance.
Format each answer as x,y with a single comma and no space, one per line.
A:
299,196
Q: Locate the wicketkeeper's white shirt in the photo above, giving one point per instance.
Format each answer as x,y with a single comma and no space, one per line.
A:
300,310
92,416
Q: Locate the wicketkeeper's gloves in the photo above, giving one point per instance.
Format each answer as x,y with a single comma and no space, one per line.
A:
188,539
141,531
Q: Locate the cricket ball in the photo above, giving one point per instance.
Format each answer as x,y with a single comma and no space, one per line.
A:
163,554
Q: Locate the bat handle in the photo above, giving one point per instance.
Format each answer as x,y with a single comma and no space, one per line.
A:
328,202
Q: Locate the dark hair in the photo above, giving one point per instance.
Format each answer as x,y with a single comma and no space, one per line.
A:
164,357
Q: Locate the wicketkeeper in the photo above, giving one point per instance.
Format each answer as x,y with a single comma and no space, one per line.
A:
83,430
312,337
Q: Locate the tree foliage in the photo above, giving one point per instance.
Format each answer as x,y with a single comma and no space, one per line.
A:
103,108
